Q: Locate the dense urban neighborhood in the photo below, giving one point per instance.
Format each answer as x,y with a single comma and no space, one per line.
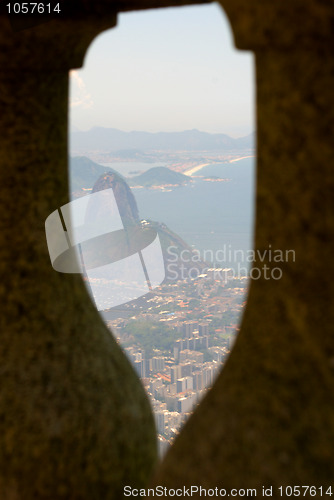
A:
177,340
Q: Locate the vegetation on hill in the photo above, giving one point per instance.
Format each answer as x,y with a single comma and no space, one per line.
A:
85,172
152,335
159,176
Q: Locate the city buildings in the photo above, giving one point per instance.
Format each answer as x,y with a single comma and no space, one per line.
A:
177,376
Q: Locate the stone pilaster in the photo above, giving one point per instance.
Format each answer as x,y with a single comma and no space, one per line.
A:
269,419
74,420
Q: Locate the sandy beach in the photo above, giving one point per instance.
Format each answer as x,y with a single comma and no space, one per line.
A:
193,170
242,158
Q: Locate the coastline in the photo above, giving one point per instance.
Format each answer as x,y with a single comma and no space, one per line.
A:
193,170
242,158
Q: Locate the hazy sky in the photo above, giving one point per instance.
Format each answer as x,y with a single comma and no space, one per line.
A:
166,70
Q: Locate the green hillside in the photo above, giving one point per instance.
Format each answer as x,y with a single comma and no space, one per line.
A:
85,172
159,176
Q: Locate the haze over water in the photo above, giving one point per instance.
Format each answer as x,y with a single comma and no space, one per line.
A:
215,216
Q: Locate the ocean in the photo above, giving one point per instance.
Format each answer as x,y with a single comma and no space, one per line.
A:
214,217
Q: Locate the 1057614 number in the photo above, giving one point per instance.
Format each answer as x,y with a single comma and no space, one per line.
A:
302,491
32,8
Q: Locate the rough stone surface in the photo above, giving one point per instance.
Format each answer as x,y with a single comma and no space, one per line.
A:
59,44
75,422
269,419
285,25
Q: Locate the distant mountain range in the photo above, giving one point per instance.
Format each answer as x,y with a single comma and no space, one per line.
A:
111,140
